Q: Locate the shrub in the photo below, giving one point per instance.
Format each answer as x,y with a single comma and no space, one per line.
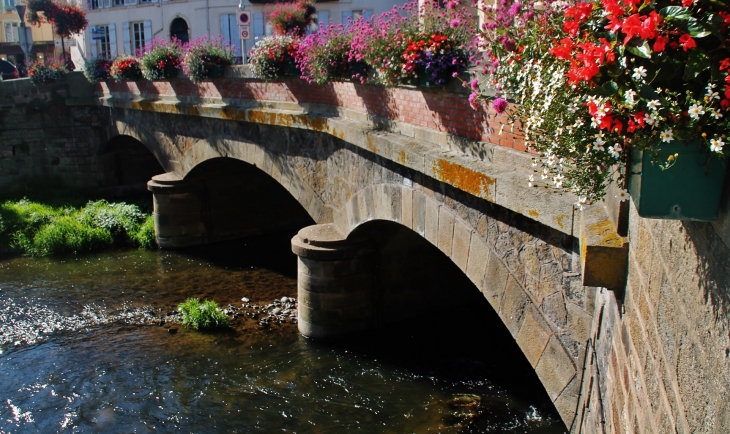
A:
203,57
97,69
159,58
272,55
38,230
145,236
202,316
125,68
69,235
46,72
291,18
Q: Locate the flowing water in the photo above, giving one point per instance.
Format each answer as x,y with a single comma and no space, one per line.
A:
93,344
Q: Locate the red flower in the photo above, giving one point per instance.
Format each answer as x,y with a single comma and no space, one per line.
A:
564,50
724,64
660,43
687,42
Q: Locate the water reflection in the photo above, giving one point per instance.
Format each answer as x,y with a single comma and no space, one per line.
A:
87,347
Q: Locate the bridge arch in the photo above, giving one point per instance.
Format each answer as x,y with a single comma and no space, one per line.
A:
534,319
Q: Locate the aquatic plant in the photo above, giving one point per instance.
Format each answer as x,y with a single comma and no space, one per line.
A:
36,229
203,315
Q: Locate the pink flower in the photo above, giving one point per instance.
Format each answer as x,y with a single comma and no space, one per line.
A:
500,105
455,23
473,100
474,84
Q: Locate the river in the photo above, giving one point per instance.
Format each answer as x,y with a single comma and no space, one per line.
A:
92,344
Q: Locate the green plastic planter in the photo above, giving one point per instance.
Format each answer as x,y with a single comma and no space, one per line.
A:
689,190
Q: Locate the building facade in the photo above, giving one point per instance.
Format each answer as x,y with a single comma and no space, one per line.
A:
123,26
43,44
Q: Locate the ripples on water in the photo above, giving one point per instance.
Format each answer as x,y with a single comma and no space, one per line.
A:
87,347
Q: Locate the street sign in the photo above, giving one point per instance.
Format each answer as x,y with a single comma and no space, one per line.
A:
245,32
243,17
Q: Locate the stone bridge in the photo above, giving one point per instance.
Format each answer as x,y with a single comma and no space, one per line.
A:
375,175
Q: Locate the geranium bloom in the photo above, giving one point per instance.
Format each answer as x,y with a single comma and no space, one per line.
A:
687,42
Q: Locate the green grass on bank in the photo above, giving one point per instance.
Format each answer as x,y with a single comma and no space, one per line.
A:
37,229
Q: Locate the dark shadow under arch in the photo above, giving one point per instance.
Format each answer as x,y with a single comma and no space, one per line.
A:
431,311
128,165
241,200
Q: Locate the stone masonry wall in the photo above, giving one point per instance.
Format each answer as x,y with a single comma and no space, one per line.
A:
44,141
662,362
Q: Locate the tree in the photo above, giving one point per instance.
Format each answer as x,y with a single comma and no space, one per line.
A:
67,19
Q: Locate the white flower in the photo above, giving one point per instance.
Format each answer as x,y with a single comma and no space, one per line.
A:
695,111
573,107
558,180
534,162
592,98
622,195
622,62
716,145
629,95
552,159
581,202
654,104
614,150
650,118
716,114
530,180
578,123
594,123
544,174
667,135
709,87
639,73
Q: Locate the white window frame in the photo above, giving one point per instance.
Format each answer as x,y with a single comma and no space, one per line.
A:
137,36
15,37
104,47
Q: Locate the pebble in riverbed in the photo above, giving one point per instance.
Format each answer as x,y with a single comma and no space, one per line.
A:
282,310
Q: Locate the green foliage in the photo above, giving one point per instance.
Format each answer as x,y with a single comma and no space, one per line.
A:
145,236
36,229
202,316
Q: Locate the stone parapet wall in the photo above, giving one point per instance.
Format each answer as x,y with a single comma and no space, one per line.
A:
42,140
445,110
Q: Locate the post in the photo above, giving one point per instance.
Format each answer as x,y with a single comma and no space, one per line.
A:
25,34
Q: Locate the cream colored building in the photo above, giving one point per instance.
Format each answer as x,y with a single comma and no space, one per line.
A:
10,50
123,26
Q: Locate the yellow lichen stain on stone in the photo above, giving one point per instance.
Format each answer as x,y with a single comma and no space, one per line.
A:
607,233
561,219
260,117
314,123
371,145
402,158
464,178
533,213
233,114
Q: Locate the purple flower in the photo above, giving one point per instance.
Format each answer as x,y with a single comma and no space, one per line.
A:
500,105
474,84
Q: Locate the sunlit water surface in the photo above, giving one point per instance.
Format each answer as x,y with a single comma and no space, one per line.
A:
92,344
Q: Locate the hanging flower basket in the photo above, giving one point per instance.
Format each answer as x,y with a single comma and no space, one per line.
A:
690,189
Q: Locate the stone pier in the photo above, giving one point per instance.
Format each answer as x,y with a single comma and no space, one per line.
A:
336,283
